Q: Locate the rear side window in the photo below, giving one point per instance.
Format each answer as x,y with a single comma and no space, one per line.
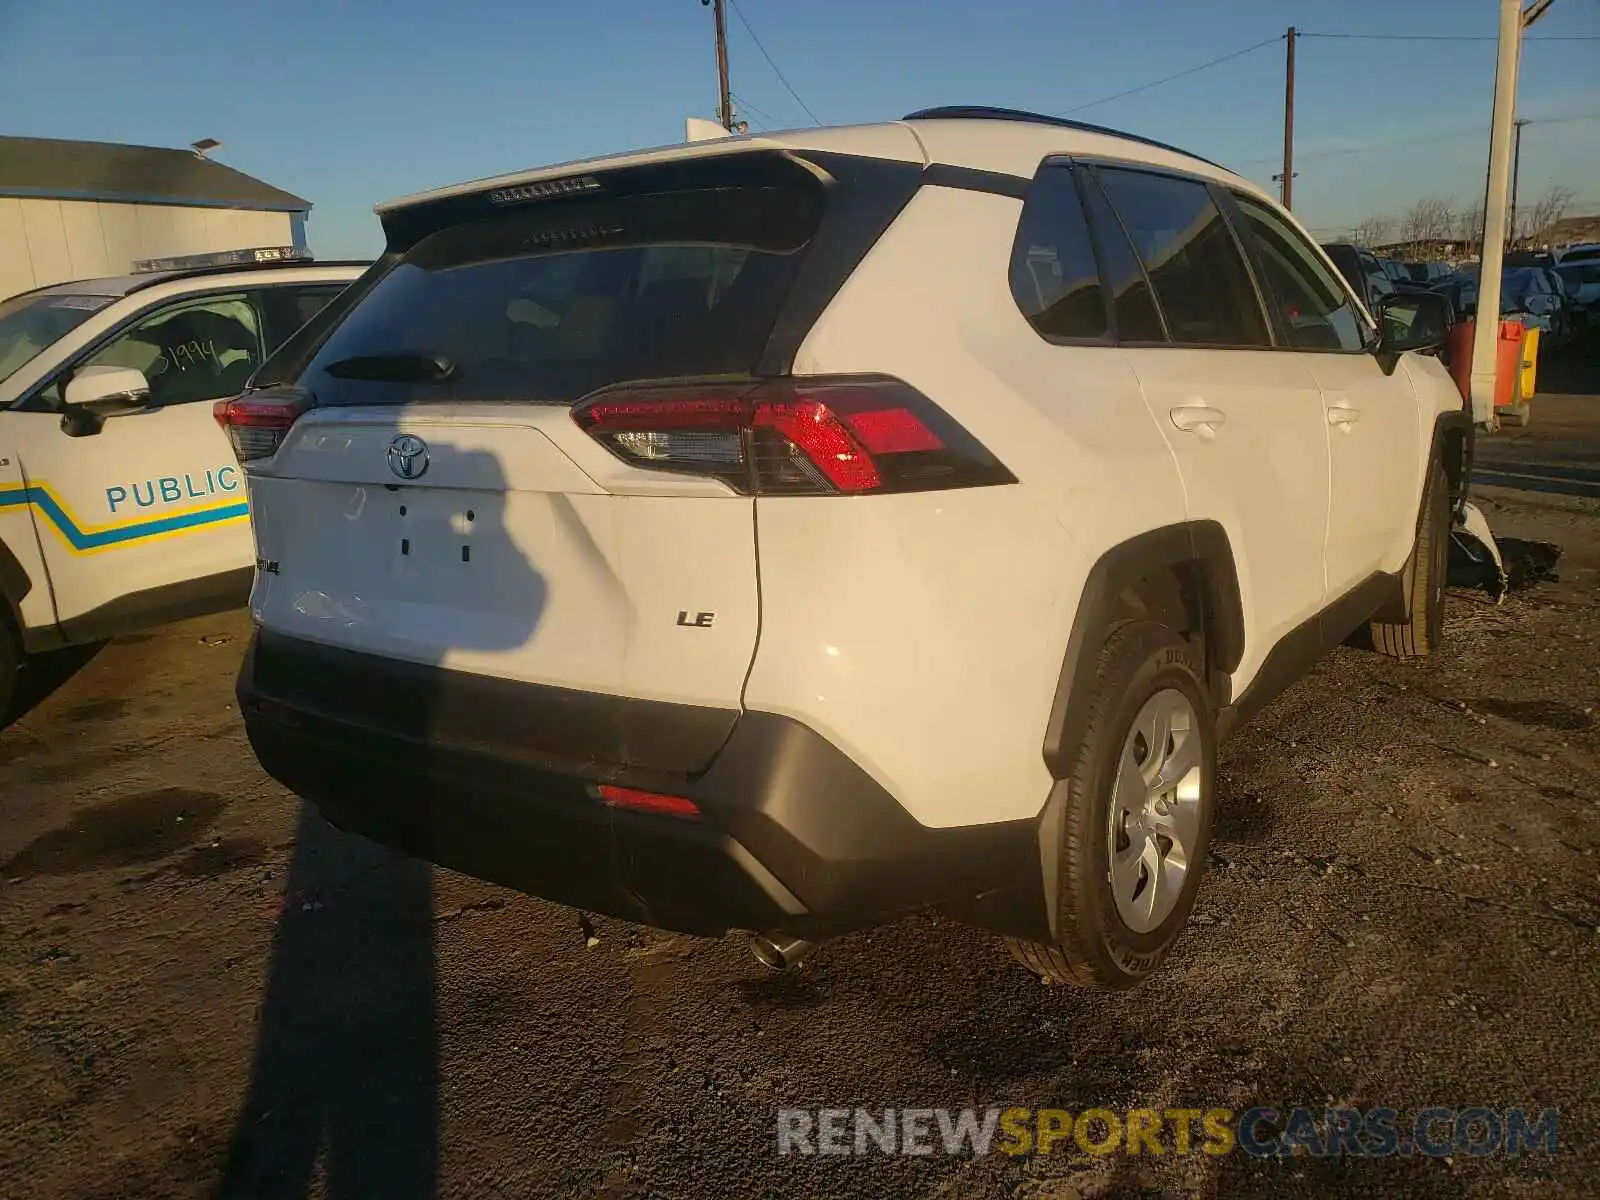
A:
1200,279
1054,277
1133,305
1315,312
548,303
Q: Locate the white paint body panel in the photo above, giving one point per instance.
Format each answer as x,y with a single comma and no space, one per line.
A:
923,633
1375,441
69,541
564,582
1262,475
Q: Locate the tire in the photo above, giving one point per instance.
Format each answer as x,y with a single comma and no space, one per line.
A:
1421,633
1142,664
1516,414
10,663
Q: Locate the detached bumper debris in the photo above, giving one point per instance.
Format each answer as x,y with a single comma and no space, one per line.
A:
1478,560
1474,558
1528,563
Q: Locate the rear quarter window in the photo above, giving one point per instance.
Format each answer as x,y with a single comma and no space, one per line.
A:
1054,276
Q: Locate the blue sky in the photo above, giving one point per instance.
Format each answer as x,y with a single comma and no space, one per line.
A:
354,102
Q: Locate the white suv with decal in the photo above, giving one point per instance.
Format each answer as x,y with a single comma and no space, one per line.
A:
121,504
786,533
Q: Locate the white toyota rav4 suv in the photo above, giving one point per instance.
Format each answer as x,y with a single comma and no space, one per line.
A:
789,532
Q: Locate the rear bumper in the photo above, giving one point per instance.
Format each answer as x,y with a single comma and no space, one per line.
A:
793,836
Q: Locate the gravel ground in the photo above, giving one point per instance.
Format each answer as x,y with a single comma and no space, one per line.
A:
204,990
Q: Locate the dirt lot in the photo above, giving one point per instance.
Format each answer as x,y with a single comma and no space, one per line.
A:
206,991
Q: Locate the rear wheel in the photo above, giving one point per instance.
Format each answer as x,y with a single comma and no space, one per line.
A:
1423,630
1137,822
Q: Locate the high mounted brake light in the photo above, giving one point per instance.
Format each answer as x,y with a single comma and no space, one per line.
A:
257,422
796,437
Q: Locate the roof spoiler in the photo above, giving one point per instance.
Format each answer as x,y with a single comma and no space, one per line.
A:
698,129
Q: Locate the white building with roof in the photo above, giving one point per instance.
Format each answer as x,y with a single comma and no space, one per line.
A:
77,210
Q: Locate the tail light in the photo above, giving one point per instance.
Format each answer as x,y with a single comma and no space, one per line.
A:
257,422
651,802
792,437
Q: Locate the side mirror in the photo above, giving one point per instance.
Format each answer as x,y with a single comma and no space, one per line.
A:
95,393
1413,321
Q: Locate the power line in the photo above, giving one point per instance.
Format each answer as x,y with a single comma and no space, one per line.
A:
1442,135
1445,37
743,20
751,108
1145,87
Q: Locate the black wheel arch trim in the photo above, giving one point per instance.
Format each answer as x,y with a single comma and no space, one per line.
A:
1458,467
14,586
1457,463
1182,544
1187,543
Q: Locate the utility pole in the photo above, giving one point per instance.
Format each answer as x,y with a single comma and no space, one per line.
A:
724,101
1516,172
1288,122
1496,204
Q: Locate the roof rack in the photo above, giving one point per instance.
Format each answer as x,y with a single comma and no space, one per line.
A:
979,112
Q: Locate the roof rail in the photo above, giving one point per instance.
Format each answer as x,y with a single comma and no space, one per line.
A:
979,112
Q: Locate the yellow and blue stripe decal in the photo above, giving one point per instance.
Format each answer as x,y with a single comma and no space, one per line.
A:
89,539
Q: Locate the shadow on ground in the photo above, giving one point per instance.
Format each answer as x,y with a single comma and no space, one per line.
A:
344,1086
43,675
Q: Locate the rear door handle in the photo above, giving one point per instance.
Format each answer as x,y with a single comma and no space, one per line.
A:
1199,418
1343,415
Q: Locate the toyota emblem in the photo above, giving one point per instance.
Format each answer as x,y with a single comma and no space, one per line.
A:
408,456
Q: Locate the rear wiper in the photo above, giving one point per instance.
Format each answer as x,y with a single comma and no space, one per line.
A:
400,367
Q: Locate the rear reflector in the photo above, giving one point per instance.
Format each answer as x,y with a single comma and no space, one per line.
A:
257,422
816,436
655,802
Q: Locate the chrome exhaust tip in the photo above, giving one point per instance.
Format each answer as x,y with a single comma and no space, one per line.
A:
779,951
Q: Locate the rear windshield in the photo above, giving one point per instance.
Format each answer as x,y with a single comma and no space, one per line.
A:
549,303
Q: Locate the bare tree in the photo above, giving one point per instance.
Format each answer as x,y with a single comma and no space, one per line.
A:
1431,219
1542,215
1372,231
1469,226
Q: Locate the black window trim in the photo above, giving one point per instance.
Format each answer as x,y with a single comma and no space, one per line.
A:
1088,179
1109,337
1236,219
1091,165
30,400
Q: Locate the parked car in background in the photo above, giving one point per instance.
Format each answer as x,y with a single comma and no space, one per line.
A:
121,505
1396,271
1430,274
1585,252
1363,271
1582,281
1527,294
